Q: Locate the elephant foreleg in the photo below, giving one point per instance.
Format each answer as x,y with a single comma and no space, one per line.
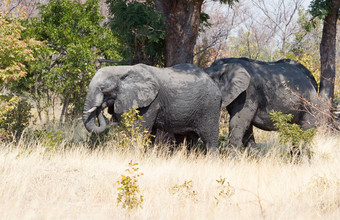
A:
153,135
191,139
149,116
240,128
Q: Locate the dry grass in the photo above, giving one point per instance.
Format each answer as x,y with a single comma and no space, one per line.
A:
78,183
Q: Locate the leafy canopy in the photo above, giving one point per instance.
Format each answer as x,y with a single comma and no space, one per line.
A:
140,30
15,52
320,8
76,37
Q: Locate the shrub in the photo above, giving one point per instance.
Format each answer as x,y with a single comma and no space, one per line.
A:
291,133
15,52
186,189
129,193
225,190
49,139
130,132
14,117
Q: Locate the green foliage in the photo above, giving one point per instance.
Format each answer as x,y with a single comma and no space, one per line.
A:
291,133
320,8
75,38
140,30
204,22
247,45
185,190
14,53
129,193
229,2
130,133
225,190
307,23
49,138
14,116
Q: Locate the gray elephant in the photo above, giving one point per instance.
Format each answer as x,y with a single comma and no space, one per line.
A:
251,89
182,100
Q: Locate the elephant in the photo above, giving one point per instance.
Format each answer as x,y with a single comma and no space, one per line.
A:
251,89
182,100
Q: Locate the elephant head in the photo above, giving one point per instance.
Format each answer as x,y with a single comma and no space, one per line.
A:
231,78
119,88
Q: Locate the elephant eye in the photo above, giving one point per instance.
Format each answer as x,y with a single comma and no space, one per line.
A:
111,93
110,102
106,93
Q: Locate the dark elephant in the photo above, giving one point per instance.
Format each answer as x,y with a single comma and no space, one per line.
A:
182,100
251,89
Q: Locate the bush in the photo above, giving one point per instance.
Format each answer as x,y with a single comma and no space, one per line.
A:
130,132
225,190
15,52
129,193
49,139
185,190
14,117
291,133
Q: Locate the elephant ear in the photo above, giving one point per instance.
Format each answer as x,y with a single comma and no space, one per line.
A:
136,89
234,80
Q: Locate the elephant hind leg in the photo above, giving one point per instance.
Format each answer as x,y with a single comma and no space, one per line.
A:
248,139
308,121
209,134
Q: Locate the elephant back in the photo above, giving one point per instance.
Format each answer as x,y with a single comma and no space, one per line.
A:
181,74
303,69
249,64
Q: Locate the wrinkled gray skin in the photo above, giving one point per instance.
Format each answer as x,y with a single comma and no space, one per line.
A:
251,89
182,100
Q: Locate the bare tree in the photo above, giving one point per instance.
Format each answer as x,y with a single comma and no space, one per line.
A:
253,28
30,7
223,20
254,35
280,19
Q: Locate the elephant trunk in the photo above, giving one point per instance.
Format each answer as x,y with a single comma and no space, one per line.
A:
90,114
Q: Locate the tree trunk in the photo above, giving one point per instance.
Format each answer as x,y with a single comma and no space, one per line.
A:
183,20
327,53
36,96
64,109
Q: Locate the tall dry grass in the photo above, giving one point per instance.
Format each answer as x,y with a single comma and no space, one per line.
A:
75,182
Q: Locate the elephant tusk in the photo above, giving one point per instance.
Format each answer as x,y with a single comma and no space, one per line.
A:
91,110
337,113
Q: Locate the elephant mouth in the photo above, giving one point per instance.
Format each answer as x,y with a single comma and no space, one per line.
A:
94,120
